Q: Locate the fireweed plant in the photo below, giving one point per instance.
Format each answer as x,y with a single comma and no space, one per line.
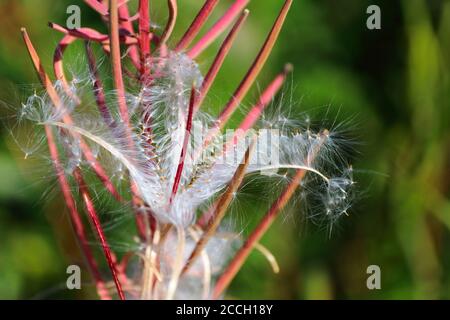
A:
158,153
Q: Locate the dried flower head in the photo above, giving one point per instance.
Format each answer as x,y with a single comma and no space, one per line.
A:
150,142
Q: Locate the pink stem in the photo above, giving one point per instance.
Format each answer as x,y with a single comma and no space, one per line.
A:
239,259
197,24
256,67
97,6
126,24
254,113
173,12
144,37
220,57
221,208
265,99
75,216
218,28
185,145
116,61
59,68
256,235
98,87
98,228
93,35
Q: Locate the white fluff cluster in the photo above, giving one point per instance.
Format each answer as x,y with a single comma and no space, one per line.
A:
157,132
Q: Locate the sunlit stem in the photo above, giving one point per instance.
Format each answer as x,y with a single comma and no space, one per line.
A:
221,207
197,24
218,28
98,228
219,59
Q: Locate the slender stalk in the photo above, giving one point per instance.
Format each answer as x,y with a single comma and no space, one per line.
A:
219,59
178,264
241,256
144,36
256,67
116,60
221,208
187,136
98,228
127,25
97,6
75,216
197,24
58,65
257,233
173,12
99,91
255,112
218,28
265,99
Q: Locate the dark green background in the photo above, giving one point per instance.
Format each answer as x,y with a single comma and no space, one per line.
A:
391,89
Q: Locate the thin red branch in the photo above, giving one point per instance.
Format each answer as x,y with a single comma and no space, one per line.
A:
127,25
265,99
75,216
257,233
241,256
173,12
144,36
58,67
256,67
256,111
219,59
197,24
218,28
90,208
220,208
97,6
185,144
93,35
99,91
116,61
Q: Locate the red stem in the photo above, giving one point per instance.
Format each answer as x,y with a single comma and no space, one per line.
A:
127,25
239,259
97,6
173,12
256,67
276,208
218,28
265,99
58,65
197,24
116,61
98,228
185,145
144,36
75,216
221,208
219,59
99,92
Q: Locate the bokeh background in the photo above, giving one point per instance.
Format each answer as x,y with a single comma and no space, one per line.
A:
390,87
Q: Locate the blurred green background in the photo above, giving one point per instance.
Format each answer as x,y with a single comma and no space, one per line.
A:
391,87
